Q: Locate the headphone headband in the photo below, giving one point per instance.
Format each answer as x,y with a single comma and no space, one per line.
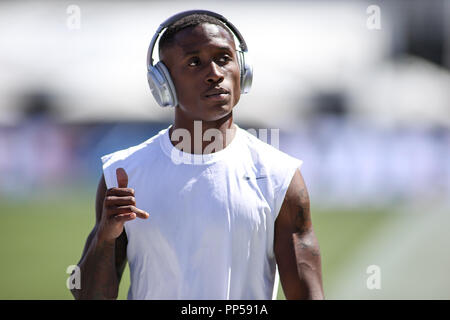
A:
183,14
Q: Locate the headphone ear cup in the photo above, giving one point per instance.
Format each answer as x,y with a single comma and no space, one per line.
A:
246,71
161,85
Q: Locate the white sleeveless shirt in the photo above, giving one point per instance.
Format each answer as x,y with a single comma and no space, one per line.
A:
211,227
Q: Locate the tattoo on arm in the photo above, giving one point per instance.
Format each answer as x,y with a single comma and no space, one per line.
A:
305,241
296,246
303,218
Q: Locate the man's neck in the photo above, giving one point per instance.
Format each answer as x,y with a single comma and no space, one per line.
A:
203,136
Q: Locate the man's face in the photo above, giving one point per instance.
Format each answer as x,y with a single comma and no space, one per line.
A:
204,68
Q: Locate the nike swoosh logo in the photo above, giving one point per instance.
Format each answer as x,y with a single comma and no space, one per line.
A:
257,178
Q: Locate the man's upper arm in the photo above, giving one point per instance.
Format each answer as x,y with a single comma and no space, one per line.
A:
295,244
121,241
295,211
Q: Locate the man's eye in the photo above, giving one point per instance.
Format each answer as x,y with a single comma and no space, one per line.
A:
194,62
224,59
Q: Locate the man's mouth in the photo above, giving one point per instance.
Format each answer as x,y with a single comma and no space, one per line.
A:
217,93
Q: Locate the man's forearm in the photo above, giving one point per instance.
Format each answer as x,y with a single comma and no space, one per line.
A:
309,267
98,272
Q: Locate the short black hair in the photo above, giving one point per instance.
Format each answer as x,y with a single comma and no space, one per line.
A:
189,21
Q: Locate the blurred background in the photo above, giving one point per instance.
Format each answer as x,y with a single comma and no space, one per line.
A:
360,91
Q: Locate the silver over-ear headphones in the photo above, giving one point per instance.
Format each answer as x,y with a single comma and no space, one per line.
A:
158,75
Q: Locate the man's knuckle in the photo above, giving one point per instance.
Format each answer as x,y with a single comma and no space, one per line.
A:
125,209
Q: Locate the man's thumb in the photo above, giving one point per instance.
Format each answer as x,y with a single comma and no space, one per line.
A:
122,178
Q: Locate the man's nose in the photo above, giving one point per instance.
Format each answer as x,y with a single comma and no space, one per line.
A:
215,74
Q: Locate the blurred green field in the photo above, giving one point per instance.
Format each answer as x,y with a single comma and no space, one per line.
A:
41,236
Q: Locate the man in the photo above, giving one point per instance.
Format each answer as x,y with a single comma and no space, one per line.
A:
196,222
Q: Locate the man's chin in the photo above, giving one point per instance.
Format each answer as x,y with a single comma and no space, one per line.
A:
217,112
208,112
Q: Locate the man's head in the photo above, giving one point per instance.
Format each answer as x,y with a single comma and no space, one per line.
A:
192,20
200,54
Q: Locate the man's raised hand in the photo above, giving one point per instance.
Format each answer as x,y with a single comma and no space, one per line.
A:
119,206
